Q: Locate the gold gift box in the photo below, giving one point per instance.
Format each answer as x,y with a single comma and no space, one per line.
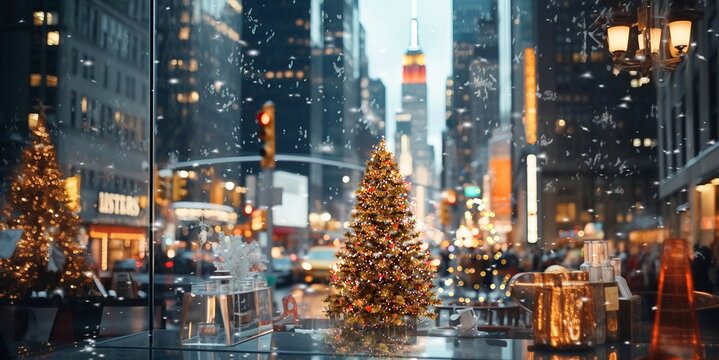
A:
562,305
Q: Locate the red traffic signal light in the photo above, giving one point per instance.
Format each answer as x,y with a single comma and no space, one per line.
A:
266,120
248,209
449,196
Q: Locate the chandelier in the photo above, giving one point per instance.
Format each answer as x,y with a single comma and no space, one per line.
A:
641,42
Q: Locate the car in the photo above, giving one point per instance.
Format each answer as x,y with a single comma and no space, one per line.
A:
317,263
283,270
187,262
129,265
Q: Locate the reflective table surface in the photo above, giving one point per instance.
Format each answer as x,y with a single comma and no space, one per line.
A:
318,344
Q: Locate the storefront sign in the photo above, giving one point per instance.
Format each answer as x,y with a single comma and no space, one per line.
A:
117,204
472,191
530,96
532,207
72,187
193,211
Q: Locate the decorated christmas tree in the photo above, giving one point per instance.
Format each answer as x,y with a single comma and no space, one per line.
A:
383,276
47,256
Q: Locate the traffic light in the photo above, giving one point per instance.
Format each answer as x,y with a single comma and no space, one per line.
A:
449,198
248,209
266,120
444,216
164,189
178,187
259,220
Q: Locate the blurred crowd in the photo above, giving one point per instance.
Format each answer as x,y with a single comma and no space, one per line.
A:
640,264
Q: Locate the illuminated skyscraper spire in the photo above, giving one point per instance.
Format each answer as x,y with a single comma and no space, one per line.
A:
413,62
413,32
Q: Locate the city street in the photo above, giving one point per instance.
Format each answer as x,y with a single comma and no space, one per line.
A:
187,165
308,297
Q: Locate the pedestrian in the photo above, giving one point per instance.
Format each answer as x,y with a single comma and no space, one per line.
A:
701,266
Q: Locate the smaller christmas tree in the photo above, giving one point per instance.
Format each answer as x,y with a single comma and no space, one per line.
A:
383,276
38,205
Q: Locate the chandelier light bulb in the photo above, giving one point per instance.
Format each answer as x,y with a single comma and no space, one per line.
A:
680,31
618,38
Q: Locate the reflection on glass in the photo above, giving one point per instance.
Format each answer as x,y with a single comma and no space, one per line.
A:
347,339
74,171
512,106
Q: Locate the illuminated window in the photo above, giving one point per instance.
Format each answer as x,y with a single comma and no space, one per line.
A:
193,97
83,105
300,74
289,73
637,142
270,75
53,38
597,56
32,119
235,5
193,66
566,212
38,17
35,80
184,33
51,80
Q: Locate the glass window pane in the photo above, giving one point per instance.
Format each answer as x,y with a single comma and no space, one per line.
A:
74,230
202,165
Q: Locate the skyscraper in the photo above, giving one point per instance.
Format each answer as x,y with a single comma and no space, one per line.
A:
583,154
198,82
277,67
473,89
337,105
416,156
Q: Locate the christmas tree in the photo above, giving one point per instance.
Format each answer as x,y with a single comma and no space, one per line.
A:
38,205
383,276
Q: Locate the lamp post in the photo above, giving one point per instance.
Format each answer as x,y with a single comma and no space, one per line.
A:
642,42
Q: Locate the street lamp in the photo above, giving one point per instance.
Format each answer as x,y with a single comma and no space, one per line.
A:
639,41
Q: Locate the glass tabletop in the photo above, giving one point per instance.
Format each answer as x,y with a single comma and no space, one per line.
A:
317,344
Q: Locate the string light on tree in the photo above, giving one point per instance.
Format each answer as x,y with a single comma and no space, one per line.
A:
38,204
382,276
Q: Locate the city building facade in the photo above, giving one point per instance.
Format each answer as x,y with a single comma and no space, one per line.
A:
688,119
584,144
81,59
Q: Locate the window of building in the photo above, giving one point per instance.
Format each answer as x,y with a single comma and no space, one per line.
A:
40,18
85,66
105,75
53,38
184,33
74,61
35,80
73,108
566,212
